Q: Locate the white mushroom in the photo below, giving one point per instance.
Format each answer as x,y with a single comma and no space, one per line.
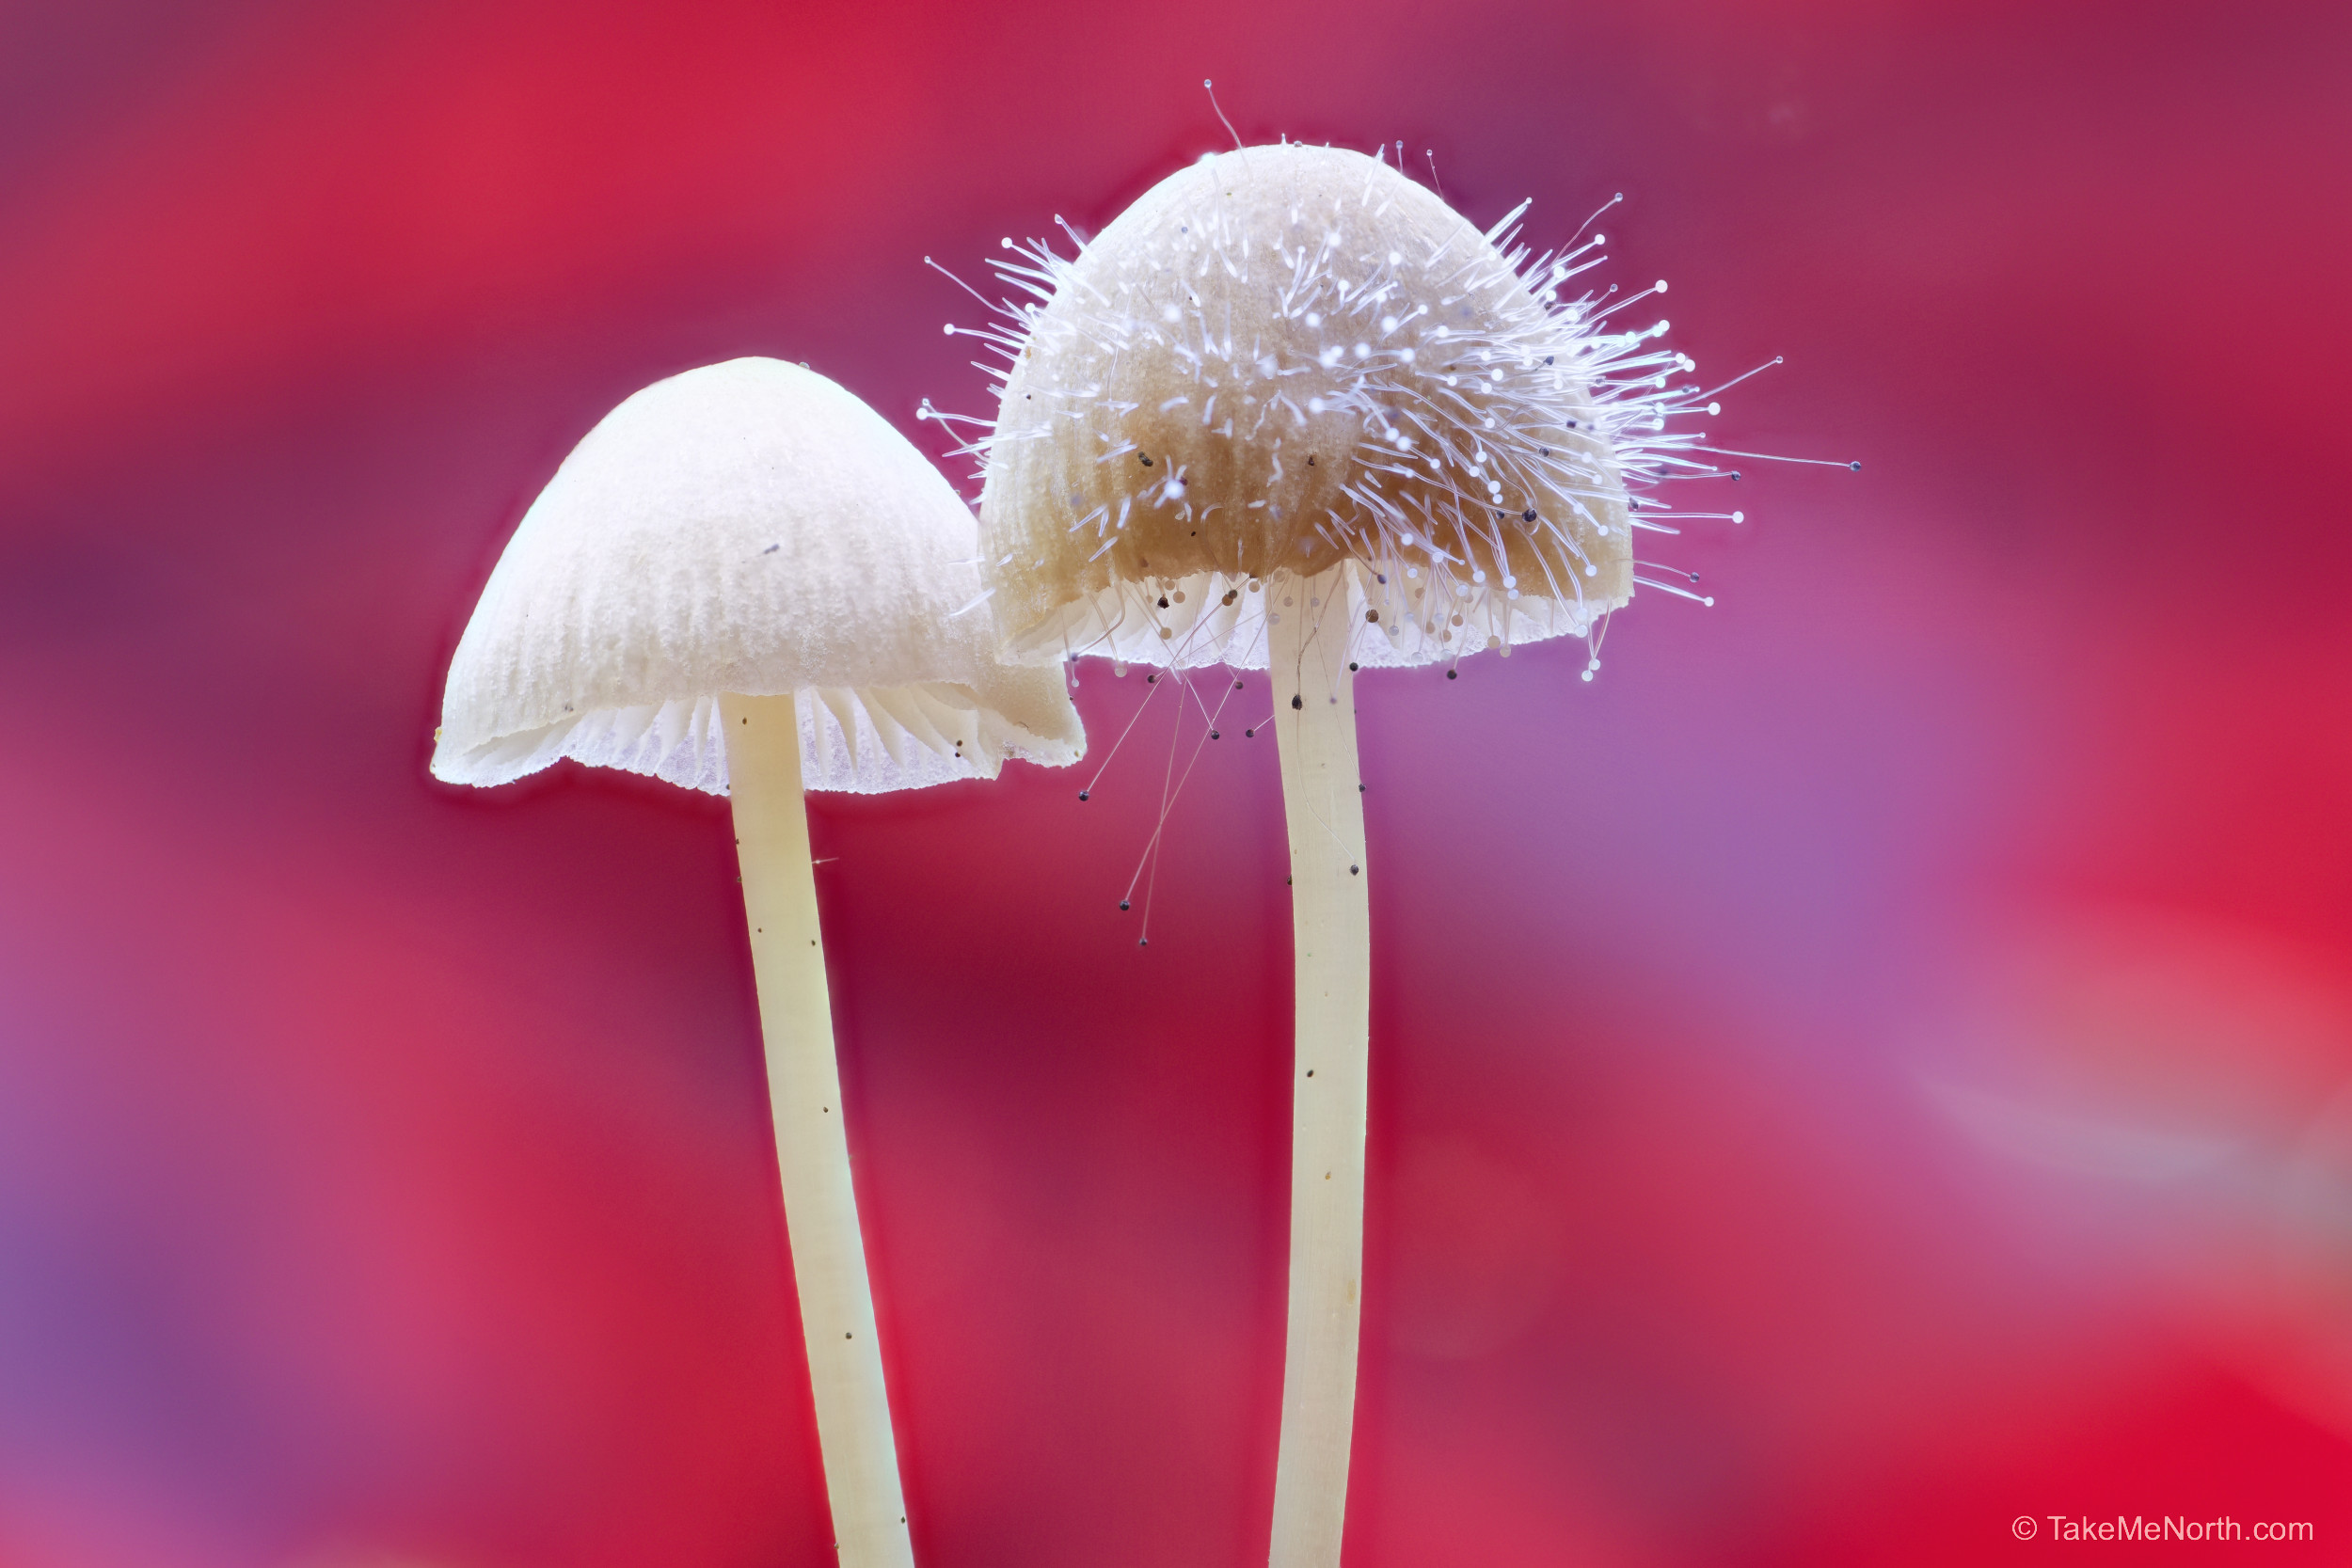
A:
1292,411
744,581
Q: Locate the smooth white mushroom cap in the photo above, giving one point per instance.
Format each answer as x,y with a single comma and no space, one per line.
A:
749,527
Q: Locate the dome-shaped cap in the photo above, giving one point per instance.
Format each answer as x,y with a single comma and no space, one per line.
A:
1288,358
751,528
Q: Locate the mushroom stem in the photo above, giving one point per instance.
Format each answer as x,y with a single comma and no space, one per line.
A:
1331,931
845,1370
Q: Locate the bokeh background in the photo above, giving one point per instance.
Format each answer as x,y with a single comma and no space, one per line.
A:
1875,1064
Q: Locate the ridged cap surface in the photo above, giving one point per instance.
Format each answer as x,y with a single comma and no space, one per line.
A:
748,527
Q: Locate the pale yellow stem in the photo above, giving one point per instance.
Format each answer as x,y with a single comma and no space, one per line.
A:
1331,931
845,1371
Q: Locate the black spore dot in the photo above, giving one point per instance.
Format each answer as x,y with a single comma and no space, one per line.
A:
1250,735
1352,665
1296,702
1123,904
1144,460
1212,735
1163,601
1855,466
1311,462
1355,870
1527,515
1151,680
1237,685
1453,674
1081,795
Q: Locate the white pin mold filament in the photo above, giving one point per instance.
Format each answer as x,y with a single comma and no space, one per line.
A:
1292,410
1288,360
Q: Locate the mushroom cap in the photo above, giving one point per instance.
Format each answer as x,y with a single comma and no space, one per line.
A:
1282,359
745,528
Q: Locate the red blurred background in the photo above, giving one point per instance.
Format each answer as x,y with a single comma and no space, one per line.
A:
1876,1064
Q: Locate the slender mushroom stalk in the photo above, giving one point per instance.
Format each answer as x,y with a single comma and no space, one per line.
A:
1292,410
1331,946
743,580
845,1370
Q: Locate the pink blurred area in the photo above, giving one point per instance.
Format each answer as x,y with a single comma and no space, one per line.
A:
1874,1064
